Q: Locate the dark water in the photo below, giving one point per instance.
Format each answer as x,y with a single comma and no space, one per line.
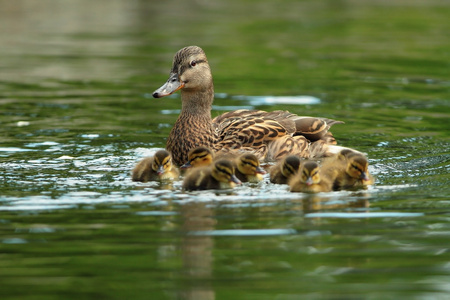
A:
76,114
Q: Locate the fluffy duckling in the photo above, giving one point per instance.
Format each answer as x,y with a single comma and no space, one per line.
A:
269,135
310,180
157,167
220,175
285,169
348,169
199,157
248,168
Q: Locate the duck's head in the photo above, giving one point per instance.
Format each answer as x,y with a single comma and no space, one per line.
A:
248,164
310,173
190,72
223,171
162,162
199,157
291,165
358,166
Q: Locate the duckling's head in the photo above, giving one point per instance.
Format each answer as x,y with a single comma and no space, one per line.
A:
190,71
310,173
223,171
291,165
358,166
162,162
199,157
347,152
248,164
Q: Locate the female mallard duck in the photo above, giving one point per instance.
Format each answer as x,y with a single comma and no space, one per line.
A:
282,172
268,135
310,180
348,169
248,168
157,167
220,175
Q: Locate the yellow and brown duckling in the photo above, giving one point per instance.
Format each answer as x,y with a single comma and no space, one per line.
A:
199,157
220,175
248,168
310,179
268,135
348,169
157,167
283,171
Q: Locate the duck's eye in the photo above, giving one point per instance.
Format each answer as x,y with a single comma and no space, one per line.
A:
193,63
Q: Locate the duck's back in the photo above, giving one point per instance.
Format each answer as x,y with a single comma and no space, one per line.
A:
143,171
273,135
276,176
200,179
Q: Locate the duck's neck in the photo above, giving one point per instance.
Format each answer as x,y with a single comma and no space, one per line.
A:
197,104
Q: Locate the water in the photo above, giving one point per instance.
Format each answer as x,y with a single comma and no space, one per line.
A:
76,114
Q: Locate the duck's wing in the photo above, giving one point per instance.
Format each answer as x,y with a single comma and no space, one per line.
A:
310,127
224,121
244,128
283,132
288,145
315,128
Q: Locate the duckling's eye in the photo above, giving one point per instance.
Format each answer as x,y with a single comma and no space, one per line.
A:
193,63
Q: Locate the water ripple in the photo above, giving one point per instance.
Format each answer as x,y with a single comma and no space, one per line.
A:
244,232
363,215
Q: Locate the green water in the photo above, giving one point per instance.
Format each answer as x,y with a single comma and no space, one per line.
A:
76,114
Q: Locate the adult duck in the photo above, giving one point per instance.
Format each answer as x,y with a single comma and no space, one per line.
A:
268,135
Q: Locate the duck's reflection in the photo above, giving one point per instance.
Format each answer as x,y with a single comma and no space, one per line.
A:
196,251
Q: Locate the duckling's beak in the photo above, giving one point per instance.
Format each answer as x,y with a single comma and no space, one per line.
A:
309,181
186,165
260,170
160,170
172,85
234,179
364,176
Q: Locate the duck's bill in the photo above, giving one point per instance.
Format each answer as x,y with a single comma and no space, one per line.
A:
186,165
364,176
160,170
235,179
260,170
172,85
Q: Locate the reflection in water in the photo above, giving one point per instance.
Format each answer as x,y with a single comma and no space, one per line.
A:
314,203
197,252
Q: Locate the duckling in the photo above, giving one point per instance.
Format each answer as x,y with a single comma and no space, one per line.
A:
157,167
199,157
248,168
285,169
220,175
268,135
309,180
348,169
